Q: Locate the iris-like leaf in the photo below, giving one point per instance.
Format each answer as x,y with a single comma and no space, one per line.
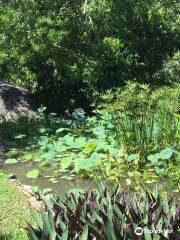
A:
105,215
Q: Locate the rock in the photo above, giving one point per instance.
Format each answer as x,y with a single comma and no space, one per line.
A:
14,102
12,176
35,204
33,200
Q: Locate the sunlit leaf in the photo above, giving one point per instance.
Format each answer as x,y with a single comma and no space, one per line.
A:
20,136
132,157
43,140
154,158
128,181
48,152
99,132
90,147
11,161
166,153
33,174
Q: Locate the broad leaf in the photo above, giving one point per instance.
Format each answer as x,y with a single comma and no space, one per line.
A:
166,153
11,161
33,174
43,140
90,147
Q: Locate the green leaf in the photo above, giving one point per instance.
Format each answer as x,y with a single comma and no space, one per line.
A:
128,181
99,132
41,130
166,153
47,191
84,235
61,148
132,157
69,140
20,136
28,157
66,161
37,218
11,161
67,177
83,164
59,130
160,167
53,180
48,152
147,234
90,147
154,158
79,143
31,233
33,174
43,140
94,157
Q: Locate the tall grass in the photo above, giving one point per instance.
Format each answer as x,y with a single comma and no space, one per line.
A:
146,131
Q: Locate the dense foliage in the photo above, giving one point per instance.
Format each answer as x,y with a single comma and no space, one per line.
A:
137,139
66,50
119,60
107,215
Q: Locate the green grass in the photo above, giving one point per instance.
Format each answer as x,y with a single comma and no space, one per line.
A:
14,212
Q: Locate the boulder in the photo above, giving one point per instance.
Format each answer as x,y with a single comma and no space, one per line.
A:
14,102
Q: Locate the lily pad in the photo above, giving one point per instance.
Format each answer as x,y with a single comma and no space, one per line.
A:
67,177
154,158
33,174
48,152
90,147
28,157
166,153
11,161
53,180
160,168
43,140
99,132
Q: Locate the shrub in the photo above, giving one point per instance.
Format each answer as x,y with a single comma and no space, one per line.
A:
140,97
106,215
63,50
171,69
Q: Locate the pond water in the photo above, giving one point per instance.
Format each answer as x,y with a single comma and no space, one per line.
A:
20,170
64,185
61,187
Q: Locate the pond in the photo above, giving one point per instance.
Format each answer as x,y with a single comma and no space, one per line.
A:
43,181
62,185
